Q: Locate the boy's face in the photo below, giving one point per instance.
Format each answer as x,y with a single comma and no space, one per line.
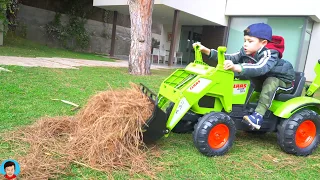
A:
9,170
252,44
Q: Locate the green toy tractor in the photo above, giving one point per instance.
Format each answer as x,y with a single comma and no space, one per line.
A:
211,102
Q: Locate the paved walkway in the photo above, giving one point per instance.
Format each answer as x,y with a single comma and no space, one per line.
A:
67,63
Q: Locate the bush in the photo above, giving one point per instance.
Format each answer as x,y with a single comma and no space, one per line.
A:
71,36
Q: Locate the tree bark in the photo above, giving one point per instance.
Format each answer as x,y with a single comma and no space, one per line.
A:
140,51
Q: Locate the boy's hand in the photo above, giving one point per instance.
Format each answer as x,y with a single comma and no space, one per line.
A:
228,64
202,48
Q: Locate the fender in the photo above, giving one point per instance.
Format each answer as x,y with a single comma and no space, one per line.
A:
291,106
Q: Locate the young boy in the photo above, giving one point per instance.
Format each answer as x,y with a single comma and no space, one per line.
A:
260,60
9,168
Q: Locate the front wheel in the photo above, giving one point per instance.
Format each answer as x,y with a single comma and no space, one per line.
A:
214,134
299,135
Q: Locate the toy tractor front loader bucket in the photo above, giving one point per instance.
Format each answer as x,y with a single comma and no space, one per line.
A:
155,127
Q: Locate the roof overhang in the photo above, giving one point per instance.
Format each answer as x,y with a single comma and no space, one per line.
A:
162,13
307,8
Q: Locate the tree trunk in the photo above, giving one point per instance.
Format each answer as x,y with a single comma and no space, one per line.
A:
140,51
1,32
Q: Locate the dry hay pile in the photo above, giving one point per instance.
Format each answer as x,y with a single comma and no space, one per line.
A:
105,135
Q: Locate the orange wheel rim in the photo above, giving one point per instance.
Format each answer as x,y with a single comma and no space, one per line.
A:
305,134
218,136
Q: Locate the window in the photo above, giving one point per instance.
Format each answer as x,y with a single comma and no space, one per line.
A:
290,28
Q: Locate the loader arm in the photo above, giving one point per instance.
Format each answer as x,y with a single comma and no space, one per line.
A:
184,88
187,97
314,86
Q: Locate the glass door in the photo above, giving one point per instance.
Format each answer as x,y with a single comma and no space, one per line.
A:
189,35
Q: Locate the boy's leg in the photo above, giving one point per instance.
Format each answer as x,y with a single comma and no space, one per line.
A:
269,89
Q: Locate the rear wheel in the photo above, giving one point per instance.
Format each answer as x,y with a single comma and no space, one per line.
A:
300,133
214,134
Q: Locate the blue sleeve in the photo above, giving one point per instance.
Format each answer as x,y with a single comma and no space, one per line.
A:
233,57
265,64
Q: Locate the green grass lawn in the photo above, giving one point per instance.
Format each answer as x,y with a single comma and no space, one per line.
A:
26,95
17,46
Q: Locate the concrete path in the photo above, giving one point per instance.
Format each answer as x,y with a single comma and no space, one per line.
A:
67,63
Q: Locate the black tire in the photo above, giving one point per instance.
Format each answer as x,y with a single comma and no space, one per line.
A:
203,128
287,132
196,127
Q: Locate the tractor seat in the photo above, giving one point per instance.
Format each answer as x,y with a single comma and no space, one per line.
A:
297,88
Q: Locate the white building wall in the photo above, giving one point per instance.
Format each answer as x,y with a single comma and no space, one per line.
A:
165,44
163,38
274,8
212,10
109,2
313,53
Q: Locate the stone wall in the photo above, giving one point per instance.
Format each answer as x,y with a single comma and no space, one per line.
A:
92,12
32,23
